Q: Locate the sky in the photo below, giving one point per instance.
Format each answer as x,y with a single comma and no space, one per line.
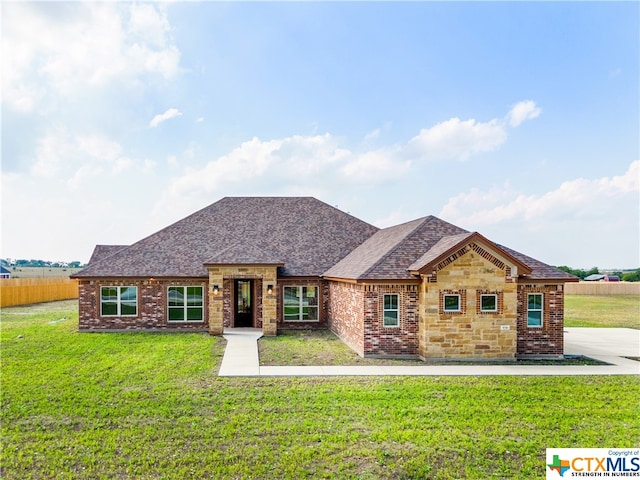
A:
517,120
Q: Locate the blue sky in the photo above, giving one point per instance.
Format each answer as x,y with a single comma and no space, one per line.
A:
517,120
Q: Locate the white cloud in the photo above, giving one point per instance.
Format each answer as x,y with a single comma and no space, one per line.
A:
51,49
80,157
574,198
455,138
581,219
460,139
372,166
162,117
294,165
521,111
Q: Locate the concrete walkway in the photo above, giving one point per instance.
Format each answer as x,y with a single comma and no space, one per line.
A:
607,344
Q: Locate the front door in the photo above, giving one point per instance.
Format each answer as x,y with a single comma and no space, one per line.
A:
243,303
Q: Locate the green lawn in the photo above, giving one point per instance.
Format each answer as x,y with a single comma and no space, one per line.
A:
149,406
602,311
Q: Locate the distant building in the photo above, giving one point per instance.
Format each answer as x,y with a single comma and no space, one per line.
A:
597,277
4,273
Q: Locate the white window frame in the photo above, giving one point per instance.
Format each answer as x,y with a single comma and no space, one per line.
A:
495,296
118,301
541,310
185,306
385,310
444,302
301,304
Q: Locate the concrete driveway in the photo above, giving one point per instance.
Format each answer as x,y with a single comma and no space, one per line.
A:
598,342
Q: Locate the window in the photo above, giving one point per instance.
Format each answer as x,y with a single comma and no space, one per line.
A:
451,303
300,304
489,302
534,309
185,304
390,310
118,301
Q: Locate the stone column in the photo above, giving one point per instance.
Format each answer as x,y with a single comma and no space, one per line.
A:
216,321
270,302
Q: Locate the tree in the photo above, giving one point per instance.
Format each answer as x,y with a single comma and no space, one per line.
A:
579,272
631,276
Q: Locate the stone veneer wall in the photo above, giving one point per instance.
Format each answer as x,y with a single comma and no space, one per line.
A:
469,333
346,314
548,339
152,305
220,308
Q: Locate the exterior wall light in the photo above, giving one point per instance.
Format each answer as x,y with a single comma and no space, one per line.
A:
269,289
216,289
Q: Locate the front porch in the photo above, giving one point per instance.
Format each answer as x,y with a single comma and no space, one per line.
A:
243,296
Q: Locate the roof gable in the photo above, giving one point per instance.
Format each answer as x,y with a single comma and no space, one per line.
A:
450,246
306,235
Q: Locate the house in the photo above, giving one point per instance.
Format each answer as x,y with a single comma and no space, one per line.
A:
425,288
4,272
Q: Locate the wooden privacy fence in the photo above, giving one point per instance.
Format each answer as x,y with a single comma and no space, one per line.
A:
23,291
602,288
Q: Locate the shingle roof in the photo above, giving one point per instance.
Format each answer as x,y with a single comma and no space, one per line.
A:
301,235
389,253
540,270
392,253
305,234
100,252
440,248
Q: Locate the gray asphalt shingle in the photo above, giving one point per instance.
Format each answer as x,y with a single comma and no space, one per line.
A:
307,235
301,235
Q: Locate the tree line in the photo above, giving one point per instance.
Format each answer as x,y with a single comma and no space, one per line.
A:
625,276
5,262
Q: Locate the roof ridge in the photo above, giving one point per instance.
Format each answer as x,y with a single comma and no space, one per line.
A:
419,222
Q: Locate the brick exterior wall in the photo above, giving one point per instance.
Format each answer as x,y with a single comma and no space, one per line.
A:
152,306
391,341
355,315
548,339
346,314
469,332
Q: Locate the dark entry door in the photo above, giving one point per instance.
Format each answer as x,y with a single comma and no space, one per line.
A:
244,303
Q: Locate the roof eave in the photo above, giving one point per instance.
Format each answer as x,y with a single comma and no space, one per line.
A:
244,264
524,279
375,280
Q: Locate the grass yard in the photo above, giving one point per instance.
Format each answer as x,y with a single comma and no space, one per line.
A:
315,347
149,406
602,311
